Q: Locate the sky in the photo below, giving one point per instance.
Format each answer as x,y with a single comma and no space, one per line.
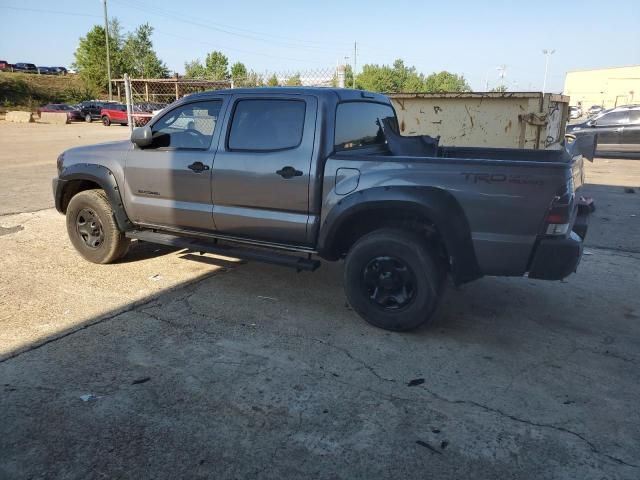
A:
472,38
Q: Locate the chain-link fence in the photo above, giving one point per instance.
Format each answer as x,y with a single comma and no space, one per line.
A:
145,97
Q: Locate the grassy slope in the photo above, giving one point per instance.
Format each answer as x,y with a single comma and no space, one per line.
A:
21,91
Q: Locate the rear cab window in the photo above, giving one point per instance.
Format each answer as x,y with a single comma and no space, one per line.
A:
264,125
358,125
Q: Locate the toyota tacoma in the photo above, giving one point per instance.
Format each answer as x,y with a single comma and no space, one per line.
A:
292,176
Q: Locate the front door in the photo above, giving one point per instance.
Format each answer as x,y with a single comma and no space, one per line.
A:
169,182
262,168
610,128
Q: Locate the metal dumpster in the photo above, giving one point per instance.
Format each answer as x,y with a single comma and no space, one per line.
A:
529,120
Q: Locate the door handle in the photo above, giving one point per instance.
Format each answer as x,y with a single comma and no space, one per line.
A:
198,167
289,172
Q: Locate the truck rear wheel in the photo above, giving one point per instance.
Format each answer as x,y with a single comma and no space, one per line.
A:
393,280
92,228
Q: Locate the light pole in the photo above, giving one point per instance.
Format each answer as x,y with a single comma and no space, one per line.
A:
502,72
106,35
547,54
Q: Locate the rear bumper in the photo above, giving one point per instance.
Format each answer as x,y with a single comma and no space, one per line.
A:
557,258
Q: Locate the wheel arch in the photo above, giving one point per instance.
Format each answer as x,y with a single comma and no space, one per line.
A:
364,211
85,176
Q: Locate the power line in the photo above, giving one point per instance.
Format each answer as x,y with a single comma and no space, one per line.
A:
254,32
255,36
216,45
54,12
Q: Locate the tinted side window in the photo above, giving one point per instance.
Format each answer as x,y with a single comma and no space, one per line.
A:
264,125
613,118
634,116
358,124
188,126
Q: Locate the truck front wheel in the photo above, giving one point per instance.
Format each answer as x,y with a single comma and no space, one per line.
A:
393,280
92,228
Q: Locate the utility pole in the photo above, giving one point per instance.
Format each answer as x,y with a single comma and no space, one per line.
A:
106,36
547,54
355,56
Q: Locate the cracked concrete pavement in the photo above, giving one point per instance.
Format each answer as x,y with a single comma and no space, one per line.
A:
201,367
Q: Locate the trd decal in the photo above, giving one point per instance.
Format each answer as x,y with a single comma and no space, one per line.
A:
491,178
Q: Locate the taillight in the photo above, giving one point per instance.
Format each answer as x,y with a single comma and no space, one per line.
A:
558,219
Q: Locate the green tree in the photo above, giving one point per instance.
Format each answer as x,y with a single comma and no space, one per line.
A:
91,54
217,66
138,57
238,73
132,53
273,81
407,79
446,82
377,78
294,81
195,69
348,76
253,79
391,79
499,88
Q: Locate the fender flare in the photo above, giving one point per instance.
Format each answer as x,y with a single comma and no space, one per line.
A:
100,175
434,203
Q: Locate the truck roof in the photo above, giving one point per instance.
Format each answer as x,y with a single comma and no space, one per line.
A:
342,94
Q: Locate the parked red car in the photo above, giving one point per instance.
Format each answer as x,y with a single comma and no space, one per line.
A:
117,113
72,113
5,66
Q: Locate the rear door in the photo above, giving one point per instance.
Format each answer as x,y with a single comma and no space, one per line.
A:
631,133
610,128
169,183
262,168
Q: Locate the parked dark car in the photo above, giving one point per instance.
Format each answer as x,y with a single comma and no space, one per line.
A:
45,71
92,109
5,66
618,130
58,70
304,172
73,114
25,67
595,110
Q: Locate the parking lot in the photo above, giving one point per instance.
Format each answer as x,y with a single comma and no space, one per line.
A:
175,365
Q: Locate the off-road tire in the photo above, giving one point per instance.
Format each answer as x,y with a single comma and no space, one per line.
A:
94,204
410,254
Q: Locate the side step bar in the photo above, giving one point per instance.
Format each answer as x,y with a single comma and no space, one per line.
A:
227,250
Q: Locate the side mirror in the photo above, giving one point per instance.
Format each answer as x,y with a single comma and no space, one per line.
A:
142,136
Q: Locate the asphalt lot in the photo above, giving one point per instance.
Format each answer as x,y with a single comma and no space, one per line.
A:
172,365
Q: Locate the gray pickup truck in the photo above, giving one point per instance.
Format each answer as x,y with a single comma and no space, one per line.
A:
290,175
